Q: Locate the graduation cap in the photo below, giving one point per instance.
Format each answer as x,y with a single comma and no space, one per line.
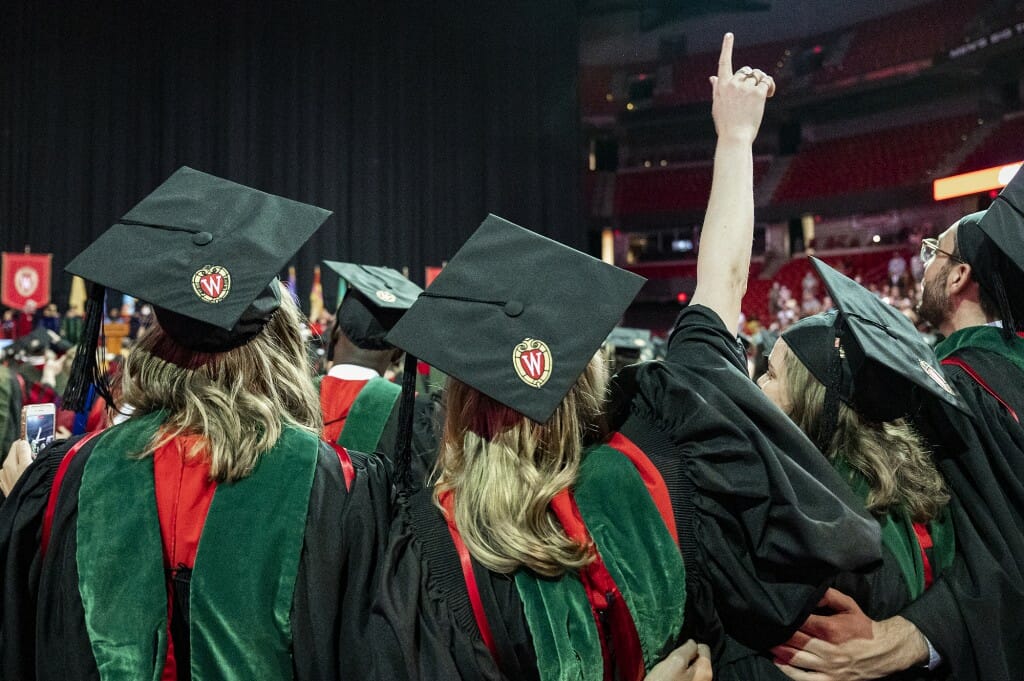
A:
866,353
205,252
38,342
629,338
374,301
992,243
762,339
516,316
766,339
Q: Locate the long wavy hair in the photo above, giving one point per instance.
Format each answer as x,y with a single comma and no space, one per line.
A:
890,455
236,401
504,469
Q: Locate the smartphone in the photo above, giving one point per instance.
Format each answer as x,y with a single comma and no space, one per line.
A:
38,422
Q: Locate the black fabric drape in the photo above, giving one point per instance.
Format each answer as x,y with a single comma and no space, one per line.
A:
410,120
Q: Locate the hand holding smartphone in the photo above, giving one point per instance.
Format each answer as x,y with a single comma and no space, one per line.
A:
38,425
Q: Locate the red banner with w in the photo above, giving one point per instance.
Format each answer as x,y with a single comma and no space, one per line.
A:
26,276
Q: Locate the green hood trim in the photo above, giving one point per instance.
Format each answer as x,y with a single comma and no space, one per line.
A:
244,575
369,415
985,338
899,537
642,558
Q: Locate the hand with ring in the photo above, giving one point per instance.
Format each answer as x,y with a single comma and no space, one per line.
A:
738,98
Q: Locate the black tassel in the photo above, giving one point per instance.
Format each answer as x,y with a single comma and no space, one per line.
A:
84,370
1002,301
830,410
403,454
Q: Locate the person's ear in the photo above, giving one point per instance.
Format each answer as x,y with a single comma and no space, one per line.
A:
959,277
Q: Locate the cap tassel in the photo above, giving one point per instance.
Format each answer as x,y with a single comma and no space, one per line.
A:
830,410
403,455
85,370
1002,301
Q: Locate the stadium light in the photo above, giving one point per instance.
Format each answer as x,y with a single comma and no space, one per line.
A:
974,182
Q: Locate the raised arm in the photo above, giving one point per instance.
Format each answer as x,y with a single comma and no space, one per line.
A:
724,257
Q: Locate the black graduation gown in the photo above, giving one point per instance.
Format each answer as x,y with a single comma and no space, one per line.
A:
42,621
880,593
423,626
973,614
764,521
427,417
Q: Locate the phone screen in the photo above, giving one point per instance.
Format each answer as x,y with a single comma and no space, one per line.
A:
39,423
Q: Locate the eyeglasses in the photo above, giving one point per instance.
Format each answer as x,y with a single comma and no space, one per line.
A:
930,248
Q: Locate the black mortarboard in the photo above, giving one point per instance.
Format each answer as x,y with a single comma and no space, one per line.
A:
867,353
992,242
374,301
628,346
629,338
766,339
516,316
205,252
38,342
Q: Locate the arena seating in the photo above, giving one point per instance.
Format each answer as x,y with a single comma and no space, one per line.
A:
671,189
923,32
897,157
1003,145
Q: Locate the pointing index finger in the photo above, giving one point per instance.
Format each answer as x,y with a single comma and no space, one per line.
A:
725,59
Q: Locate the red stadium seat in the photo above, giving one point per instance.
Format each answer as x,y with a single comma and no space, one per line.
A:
897,157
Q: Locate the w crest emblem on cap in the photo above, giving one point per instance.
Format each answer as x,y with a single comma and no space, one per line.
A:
211,283
532,361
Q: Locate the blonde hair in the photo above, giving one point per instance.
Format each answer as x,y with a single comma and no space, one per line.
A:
237,401
890,455
504,469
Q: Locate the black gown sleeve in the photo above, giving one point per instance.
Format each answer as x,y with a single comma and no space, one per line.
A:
881,593
338,570
758,508
21,519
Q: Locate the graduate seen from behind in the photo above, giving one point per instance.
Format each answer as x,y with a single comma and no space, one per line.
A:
212,534
848,379
541,551
359,404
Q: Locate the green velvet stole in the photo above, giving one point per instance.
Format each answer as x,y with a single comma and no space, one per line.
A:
899,537
120,555
243,578
985,338
369,414
641,557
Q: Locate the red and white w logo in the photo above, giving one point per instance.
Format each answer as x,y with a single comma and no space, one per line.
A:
211,283
532,361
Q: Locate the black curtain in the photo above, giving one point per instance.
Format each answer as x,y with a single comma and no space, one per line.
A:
410,120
